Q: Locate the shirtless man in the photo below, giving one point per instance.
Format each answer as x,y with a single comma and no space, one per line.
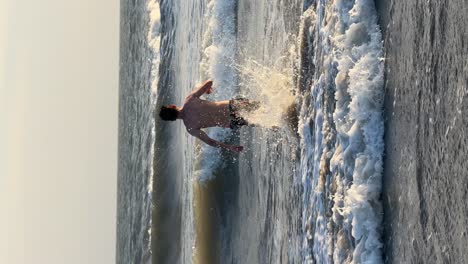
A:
197,113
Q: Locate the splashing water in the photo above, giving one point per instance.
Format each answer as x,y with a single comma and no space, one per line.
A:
272,87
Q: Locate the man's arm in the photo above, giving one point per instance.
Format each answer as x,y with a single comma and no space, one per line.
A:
205,138
202,89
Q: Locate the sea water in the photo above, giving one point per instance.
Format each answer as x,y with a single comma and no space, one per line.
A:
306,187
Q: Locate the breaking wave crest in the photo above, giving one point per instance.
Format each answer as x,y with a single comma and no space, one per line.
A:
342,134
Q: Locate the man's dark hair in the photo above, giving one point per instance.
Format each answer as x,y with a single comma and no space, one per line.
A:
168,114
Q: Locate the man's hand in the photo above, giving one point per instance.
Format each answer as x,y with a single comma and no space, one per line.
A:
205,138
236,148
210,86
202,89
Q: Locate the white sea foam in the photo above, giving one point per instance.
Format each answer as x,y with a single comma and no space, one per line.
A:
218,63
351,50
361,133
154,40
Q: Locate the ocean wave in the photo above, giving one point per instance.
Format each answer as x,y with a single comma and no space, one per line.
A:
342,135
218,64
154,43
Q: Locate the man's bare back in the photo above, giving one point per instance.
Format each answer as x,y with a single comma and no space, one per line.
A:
197,113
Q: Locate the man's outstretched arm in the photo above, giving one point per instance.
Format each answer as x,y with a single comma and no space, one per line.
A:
202,89
205,138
